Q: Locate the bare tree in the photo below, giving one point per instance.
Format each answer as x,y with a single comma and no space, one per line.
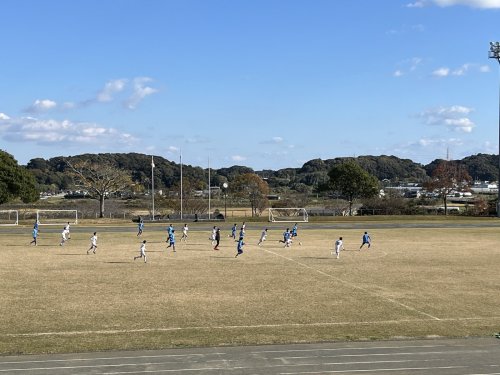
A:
98,178
448,176
253,188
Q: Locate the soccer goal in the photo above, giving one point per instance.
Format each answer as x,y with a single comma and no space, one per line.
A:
283,215
56,217
9,217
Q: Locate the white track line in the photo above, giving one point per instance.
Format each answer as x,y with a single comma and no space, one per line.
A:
353,285
256,326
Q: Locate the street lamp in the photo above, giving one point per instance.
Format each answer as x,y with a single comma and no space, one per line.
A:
494,53
225,185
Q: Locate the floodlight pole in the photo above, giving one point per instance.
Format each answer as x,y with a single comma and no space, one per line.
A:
494,53
225,186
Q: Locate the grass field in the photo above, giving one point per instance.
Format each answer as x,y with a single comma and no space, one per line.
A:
413,282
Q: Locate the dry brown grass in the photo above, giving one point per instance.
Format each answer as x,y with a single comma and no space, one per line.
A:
411,283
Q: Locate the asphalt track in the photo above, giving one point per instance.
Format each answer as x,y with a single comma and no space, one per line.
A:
471,356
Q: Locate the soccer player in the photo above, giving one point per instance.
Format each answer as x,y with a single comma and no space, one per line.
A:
233,232
294,233
142,251
339,244
287,238
286,233
169,232
93,243
243,227
212,236
239,248
172,240
35,234
66,228
366,240
242,231
263,236
140,227
217,239
184,232
63,236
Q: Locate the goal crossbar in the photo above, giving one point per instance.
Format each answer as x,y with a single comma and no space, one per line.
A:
56,217
283,215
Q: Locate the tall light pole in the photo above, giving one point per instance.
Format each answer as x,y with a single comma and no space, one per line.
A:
225,186
495,54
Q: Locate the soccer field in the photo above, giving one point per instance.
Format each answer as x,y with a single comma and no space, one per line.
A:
412,282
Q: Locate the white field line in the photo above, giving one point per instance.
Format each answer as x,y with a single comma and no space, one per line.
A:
354,285
233,327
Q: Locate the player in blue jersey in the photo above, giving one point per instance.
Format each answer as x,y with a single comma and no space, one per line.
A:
171,238
233,232
366,240
239,248
34,234
169,232
140,227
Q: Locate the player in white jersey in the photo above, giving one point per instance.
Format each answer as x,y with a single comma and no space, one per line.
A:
339,245
142,251
213,235
68,234
263,236
184,233
93,243
63,236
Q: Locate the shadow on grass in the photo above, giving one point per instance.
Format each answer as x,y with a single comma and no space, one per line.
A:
118,262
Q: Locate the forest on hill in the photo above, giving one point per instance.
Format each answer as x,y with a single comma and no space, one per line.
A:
52,174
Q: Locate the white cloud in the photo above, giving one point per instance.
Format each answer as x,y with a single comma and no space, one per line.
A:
3,116
460,71
441,72
173,149
409,65
454,118
416,4
109,89
52,132
140,91
41,105
482,4
238,158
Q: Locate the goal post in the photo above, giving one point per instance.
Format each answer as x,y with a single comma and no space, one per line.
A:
284,215
56,217
9,217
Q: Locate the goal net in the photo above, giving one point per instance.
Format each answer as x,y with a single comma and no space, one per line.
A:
9,217
283,215
57,217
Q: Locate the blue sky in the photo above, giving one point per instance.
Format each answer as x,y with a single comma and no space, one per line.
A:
264,83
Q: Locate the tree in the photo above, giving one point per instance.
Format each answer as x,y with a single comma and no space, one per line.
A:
99,178
352,182
448,176
252,187
15,181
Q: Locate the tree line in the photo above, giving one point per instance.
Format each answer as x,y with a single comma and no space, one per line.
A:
101,174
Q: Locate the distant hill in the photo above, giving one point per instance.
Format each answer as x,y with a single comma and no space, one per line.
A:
50,174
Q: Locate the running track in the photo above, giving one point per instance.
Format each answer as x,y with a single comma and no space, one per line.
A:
472,356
